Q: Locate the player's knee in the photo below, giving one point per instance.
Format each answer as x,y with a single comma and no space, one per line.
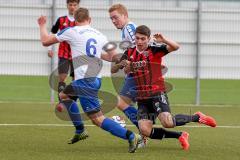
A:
97,118
123,103
145,130
167,121
167,124
121,106
145,127
63,96
96,122
62,77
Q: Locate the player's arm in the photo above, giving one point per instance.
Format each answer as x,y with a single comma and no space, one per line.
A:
46,39
171,45
109,55
129,33
120,64
54,30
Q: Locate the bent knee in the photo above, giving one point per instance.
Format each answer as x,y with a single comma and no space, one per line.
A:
97,118
63,96
145,131
167,121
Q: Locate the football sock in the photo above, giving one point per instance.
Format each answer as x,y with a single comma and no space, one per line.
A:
160,133
61,87
181,119
74,114
117,130
131,113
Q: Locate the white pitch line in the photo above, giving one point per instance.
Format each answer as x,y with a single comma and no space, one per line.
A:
90,125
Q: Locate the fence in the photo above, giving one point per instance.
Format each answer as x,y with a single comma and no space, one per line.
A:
208,32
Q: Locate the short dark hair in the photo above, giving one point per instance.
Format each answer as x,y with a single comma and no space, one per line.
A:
143,30
81,14
72,1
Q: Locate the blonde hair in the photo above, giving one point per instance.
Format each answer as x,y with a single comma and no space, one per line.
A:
119,8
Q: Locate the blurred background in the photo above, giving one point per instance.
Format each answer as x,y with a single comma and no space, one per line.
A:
205,70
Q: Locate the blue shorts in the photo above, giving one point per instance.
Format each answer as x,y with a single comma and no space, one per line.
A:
87,91
128,85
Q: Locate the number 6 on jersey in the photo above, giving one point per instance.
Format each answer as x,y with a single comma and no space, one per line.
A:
91,48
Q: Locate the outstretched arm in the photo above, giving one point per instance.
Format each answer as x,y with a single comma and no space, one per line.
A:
171,45
46,39
110,55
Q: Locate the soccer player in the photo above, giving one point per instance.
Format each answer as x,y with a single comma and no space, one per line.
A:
119,16
65,64
87,48
144,62
64,51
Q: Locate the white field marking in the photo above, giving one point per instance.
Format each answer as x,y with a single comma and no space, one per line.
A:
173,105
90,125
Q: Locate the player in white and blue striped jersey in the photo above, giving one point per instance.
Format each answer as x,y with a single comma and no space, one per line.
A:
119,16
87,48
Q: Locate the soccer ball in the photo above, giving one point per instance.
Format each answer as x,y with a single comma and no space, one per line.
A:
120,120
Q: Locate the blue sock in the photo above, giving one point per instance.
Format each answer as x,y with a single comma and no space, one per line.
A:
74,114
131,113
115,129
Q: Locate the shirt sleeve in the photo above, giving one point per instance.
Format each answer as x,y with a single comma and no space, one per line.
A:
130,33
124,56
159,48
55,27
64,35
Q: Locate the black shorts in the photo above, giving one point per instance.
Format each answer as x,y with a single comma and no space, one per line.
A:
150,108
65,66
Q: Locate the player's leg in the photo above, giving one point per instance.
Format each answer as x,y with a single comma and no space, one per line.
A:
115,129
168,121
124,104
71,70
90,104
161,105
74,114
125,99
147,115
63,67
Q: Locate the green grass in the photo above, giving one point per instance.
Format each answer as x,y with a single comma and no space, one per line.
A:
24,100
49,142
36,89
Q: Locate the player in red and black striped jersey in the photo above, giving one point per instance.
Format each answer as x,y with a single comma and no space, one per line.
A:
146,66
144,62
64,51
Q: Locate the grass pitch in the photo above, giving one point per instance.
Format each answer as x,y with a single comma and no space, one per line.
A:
29,128
32,131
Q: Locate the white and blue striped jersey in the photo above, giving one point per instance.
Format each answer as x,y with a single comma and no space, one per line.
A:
128,32
86,44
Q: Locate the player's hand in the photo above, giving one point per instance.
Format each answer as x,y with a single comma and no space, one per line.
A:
123,63
128,67
42,20
159,38
50,53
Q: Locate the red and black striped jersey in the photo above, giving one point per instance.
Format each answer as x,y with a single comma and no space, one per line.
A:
64,50
147,69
